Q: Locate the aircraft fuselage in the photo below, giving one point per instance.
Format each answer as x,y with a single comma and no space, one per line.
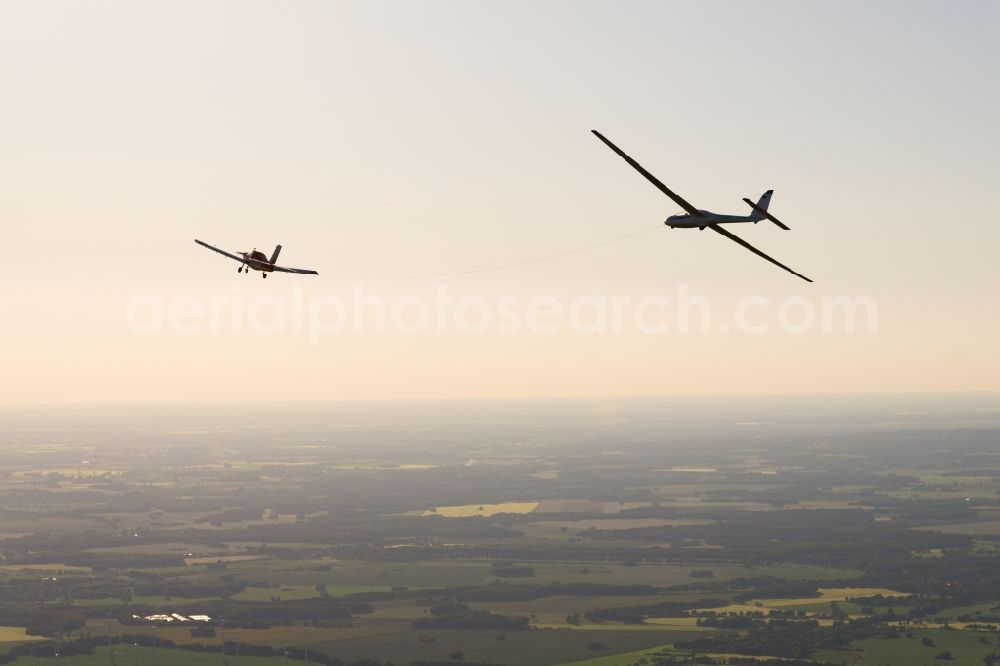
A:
688,221
257,261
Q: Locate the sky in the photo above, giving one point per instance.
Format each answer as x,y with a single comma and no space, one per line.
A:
396,139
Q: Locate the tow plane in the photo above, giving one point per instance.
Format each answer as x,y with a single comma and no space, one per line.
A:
693,218
257,261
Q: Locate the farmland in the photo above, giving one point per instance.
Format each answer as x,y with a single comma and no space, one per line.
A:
551,537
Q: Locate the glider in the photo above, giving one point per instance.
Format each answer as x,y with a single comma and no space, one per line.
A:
703,219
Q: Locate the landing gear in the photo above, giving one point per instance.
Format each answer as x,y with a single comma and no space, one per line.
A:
264,275
701,228
239,270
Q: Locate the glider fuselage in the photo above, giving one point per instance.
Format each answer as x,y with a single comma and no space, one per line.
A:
688,221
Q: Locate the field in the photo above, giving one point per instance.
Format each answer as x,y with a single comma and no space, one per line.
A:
145,657
484,510
13,636
530,648
965,649
621,658
459,545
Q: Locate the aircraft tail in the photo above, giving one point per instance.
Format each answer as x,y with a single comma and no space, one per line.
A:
277,251
760,212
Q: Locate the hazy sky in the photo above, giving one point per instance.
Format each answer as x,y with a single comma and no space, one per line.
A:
375,138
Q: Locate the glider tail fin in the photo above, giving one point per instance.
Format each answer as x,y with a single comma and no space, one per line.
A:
277,251
760,210
762,203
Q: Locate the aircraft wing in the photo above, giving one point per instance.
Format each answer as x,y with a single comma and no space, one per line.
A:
766,214
650,177
300,271
222,252
737,239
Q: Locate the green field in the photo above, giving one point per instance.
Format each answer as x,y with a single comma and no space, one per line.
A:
284,593
965,648
523,648
125,656
155,602
620,659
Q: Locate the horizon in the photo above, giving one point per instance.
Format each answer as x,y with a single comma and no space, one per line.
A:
985,393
